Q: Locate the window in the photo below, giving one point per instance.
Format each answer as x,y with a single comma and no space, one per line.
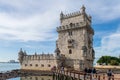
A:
25,77
30,77
77,24
70,33
36,65
36,78
25,64
70,51
30,64
71,24
49,65
42,65
42,79
70,43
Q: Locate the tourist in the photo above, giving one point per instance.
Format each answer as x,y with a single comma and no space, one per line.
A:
85,71
89,70
62,69
94,71
109,74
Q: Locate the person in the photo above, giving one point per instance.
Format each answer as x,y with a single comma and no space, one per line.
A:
85,71
89,70
109,74
62,69
94,71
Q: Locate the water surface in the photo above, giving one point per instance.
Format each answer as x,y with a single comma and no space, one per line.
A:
9,66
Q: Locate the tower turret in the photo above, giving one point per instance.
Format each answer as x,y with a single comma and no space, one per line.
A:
20,55
83,9
61,15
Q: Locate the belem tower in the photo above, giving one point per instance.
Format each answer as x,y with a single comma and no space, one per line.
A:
74,46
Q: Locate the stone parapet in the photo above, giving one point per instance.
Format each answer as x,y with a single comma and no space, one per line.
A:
73,26
39,57
65,16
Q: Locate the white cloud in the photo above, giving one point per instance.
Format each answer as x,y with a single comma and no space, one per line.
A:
34,20
29,20
109,45
37,27
102,10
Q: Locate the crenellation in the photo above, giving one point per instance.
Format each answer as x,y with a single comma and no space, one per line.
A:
62,27
90,18
38,57
35,57
26,58
74,26
29,57
65,16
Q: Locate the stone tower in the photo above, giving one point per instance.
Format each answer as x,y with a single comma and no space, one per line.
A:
75,40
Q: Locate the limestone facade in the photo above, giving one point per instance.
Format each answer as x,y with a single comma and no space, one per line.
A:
75,39
37,61
74,46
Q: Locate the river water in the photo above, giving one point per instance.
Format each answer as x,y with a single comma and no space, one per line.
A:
10,66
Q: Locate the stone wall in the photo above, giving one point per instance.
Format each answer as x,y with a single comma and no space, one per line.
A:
77,36
75,39
38,61
44,64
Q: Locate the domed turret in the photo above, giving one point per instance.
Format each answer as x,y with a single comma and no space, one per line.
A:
83,9
20,55
61,15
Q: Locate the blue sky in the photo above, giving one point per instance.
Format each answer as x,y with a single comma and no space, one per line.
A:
31,25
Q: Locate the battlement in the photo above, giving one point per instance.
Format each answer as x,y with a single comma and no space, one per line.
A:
65,16
71,26
75,17
75,26
39,57
24,57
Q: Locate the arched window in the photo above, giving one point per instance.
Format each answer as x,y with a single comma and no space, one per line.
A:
49,65
25,64
70,33
71,24
42,65
30,64
30,77
36,78
70,51
36,65
42,78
